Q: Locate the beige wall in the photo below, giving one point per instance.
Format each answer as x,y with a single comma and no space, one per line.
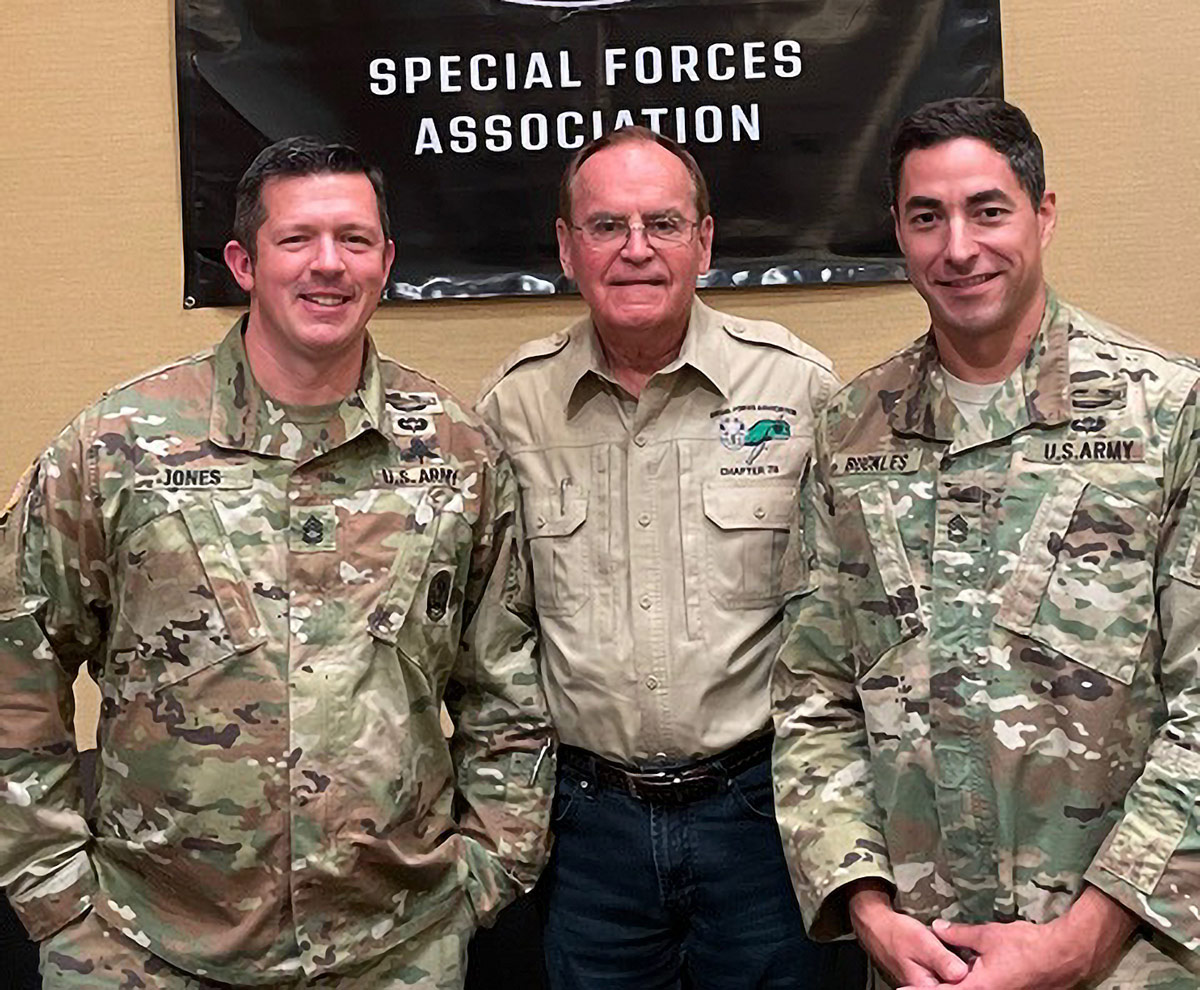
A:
90,269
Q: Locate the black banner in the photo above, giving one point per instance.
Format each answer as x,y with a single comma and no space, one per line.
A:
473,107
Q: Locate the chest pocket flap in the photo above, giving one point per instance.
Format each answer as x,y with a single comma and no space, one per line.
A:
1083,584
559,548
225,575
184,601
766,506
746,542
874,573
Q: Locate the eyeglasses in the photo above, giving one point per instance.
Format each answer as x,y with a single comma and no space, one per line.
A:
663,231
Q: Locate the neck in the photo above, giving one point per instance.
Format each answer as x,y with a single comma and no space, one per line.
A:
299,379
990,357
634,357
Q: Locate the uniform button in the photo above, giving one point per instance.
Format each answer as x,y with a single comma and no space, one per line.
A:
541,522
759,512
640,440
651,682
644,519
645,601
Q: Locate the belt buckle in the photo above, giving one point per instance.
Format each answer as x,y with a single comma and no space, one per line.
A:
667,787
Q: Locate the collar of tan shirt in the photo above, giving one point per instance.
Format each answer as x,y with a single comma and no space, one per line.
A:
704,349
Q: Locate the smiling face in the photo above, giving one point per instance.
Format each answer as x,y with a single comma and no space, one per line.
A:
637,287
321,262
973,240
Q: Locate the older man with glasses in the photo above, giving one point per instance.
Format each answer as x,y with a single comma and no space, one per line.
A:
658,444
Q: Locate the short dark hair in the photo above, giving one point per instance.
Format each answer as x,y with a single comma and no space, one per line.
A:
630,135
298,156
994,121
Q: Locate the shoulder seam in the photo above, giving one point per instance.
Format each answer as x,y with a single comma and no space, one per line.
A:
530,350
195,358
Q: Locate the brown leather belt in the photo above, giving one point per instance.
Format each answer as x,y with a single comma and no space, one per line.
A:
669,784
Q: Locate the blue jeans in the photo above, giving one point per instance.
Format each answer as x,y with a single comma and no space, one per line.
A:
643,896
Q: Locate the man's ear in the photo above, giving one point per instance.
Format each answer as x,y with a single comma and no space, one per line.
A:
896,226
1047,217
564,247
241,265
704,231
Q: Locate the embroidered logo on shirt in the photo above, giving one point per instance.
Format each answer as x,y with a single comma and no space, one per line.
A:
415,402
885,462
958,529
413,425
736,436
312,531
1098,395
421,477
437,599
222,476
313,528
1112,450
1089,424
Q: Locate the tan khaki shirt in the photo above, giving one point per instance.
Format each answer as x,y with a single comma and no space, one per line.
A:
657,526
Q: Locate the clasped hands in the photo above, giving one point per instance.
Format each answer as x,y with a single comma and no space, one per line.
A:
1060,955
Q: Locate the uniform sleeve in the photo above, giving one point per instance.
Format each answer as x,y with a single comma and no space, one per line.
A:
824,797
502,743
53,594
1150,861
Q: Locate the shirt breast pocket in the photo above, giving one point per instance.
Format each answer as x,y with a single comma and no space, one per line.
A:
1083,584
556,527
875,576
184,600
747,536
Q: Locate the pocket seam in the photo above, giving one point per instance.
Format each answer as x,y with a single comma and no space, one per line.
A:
891,564
387,618
549,539
1020,608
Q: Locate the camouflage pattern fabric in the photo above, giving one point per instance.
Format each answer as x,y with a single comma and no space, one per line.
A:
274,613
89,954
988,690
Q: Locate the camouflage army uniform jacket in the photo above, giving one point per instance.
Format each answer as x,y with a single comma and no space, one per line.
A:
988,693
273,619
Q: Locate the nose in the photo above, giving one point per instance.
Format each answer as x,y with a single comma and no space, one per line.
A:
637,247
961,247
328,259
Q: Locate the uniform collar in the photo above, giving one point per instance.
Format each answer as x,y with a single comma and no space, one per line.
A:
244,417
703,349
1035,393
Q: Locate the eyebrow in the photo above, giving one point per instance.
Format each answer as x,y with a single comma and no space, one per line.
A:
975,199
922,203
988,196
668,211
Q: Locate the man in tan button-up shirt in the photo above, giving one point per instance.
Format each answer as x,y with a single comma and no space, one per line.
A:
658,444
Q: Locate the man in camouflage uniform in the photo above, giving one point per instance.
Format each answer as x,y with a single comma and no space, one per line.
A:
277,559
987,704
658,444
